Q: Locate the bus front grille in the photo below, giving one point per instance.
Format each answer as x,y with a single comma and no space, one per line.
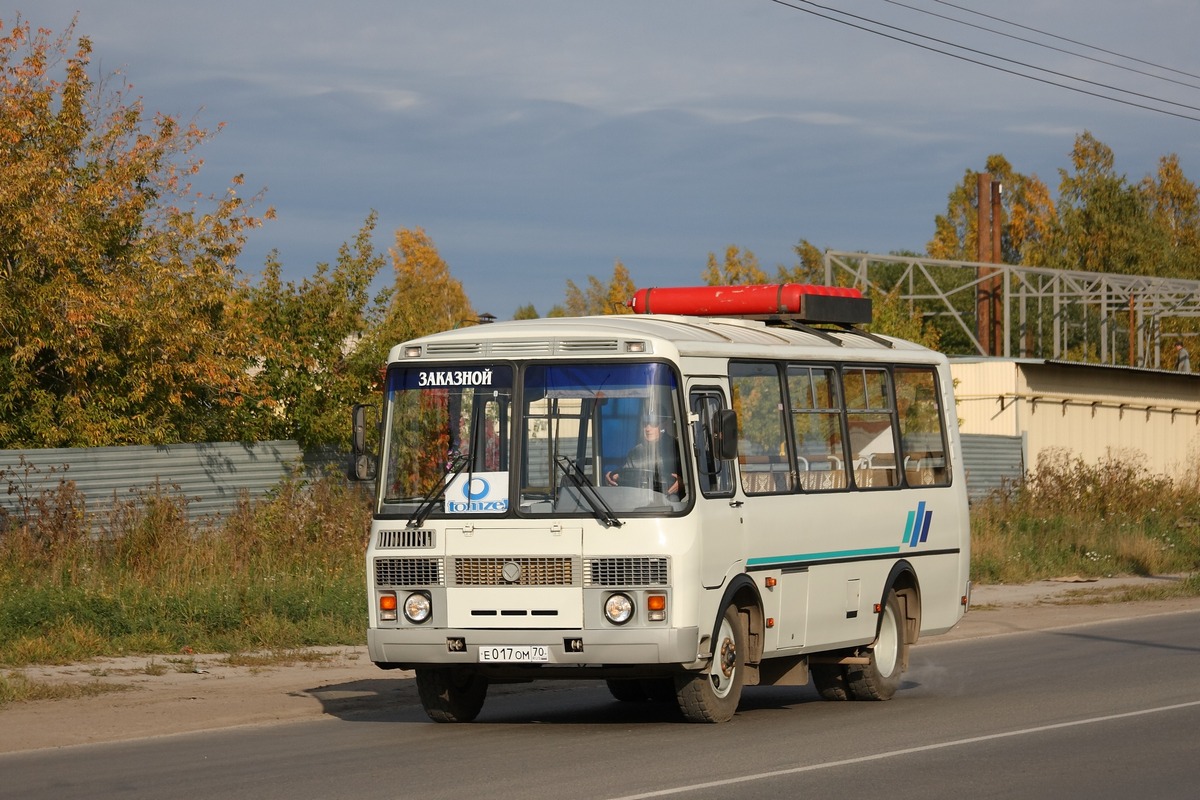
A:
517,571
409,572
405,538
630,571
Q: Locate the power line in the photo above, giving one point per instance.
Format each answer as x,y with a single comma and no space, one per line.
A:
996,67
1049,46
1070,41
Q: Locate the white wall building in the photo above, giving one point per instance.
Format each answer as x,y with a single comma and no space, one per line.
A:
1092,411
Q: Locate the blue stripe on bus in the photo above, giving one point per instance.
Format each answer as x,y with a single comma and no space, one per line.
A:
916,527
916,521
832,554
925,526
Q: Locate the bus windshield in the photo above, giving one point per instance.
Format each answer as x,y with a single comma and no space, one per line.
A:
585,437
446,438
608,427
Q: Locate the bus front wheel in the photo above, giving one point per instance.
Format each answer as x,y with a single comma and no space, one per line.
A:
879,678
451,695
713,695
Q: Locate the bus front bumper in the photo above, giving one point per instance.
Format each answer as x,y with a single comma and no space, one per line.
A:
408,648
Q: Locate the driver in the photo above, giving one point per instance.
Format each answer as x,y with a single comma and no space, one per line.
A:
656,455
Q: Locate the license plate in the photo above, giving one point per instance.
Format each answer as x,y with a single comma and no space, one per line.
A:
519,654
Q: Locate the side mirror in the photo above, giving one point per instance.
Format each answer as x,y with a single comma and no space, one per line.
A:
725,434
362,459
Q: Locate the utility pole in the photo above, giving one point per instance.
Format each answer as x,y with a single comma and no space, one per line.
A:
988,324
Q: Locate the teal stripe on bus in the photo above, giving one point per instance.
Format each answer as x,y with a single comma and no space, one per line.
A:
832,554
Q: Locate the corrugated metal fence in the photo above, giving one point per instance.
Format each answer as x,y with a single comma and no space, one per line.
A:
992,462
212,477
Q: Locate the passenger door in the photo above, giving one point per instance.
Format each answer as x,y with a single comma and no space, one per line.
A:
719,509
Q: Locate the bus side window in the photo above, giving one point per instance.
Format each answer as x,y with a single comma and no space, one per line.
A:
922,427
817,427
762,440
714,474
869,422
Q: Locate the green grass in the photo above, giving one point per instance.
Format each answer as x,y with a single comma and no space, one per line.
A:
283,573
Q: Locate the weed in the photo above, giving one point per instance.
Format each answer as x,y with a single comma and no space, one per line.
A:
281,573
16,687
1069,517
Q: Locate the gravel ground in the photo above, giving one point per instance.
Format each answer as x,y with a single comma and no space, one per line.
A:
165,695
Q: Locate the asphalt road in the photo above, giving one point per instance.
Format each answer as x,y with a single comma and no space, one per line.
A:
1104,710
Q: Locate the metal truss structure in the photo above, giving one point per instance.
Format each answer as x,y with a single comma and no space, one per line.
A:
1032,312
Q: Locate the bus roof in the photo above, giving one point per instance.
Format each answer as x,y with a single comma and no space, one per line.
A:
658,335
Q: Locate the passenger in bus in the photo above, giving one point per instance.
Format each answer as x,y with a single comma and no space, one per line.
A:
655,460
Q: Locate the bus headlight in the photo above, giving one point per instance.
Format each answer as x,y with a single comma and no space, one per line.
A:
417,607
618,608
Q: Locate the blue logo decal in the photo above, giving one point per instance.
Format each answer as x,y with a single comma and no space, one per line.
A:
478,493
916,530
476,488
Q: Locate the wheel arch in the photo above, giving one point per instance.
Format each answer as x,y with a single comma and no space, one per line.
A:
904,582
743,593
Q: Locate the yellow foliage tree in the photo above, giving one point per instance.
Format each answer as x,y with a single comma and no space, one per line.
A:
426,298
1029,218
122,316
739,268
599,297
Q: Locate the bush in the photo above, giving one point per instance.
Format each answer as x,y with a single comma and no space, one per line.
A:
1072,518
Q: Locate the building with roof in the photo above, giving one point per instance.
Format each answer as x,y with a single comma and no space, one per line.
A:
1091,411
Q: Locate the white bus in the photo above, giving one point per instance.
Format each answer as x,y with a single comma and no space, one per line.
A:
680,505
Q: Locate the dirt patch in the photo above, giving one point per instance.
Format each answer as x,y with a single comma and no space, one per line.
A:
155,696
163,695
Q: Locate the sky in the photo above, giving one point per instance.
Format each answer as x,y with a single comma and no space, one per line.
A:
537,141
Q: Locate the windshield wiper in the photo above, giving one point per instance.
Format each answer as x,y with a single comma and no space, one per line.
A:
601,509
454,469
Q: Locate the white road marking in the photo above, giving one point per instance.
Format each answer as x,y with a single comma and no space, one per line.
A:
906,751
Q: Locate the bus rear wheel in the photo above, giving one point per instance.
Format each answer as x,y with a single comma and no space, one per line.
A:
830,681
879,678
713,695
450,694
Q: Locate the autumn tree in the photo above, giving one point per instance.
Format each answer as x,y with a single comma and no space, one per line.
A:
739,268
1105,222
1173,203
309,368
122,316
892,315
425,297
599,297
1028,218
810,267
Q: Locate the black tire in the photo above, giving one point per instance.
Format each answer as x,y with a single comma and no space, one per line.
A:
713,695
880,677
626,690
451,694
830,681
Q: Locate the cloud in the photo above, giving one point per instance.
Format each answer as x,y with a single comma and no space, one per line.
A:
537,141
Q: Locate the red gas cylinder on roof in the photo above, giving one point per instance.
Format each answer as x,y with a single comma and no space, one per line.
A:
802,302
